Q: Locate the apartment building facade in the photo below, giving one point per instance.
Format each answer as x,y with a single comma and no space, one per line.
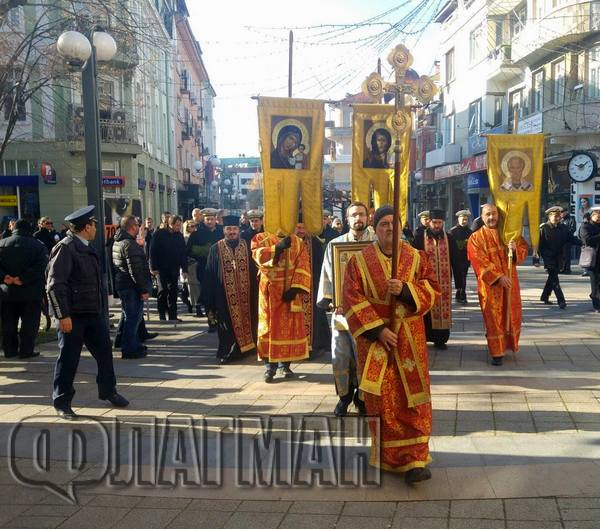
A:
536,60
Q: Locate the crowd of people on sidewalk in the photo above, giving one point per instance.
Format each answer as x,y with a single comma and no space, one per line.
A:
268,295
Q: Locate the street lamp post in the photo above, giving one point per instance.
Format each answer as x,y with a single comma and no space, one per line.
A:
81,53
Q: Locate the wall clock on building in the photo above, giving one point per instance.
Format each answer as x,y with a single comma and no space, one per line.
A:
582,166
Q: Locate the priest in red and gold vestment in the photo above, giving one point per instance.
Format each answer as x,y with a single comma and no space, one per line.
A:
392,360
284,276
498,287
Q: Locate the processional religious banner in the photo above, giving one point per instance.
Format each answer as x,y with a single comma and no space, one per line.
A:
515,166
291,140
373,155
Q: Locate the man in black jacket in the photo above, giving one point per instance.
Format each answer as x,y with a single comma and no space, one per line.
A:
553,237
460,233
132,283
46,233
571,225
589,233
74,288
22,264
167,258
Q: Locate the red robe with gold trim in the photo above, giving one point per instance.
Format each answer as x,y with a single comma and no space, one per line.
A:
395,384
489,257
281,330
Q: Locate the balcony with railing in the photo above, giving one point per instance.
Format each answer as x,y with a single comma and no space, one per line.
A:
560,26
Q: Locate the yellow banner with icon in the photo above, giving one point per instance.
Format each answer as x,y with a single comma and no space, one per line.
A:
515,167
373,140
291,143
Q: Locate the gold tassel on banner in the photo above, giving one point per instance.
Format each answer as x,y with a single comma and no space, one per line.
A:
515,167
291,137
373,156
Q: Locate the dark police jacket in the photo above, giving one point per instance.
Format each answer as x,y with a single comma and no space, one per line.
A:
552,242
73,279
131,268
590,236
24,257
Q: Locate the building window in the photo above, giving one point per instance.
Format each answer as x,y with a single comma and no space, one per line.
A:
498,106
450,66
476,44
518,19
537,91
515,102
448,131
475,117
594,72
558,82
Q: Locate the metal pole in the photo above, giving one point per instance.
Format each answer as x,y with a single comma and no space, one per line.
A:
93,161
291,57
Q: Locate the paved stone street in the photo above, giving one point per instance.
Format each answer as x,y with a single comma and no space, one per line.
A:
513,447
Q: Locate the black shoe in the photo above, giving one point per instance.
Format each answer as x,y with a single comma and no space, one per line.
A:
287,372
562,305
138,354
66,412
118,401
341,408
440,345
417,474
497,360
359,405
11,355
150,336
162,317
546,301
200,313
212,328
175,319
268,376
33,354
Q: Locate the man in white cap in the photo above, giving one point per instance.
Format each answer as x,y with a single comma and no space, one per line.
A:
461,233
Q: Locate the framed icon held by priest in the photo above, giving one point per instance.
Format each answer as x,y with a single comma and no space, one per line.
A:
341,254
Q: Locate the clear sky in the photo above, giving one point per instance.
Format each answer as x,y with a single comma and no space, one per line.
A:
245,50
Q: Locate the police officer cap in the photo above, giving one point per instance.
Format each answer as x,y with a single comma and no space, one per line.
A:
554,209
463,213
595,209
423,214
81,217
209,212
254,214
327,213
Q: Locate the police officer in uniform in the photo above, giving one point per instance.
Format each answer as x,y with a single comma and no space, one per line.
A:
423,224
74,292
553,238
255,218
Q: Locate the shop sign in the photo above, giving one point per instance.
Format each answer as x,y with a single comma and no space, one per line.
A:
468,165
113,181
48,173
8,200
477,180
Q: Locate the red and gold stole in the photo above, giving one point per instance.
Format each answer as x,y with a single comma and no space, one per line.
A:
375,270
439,255
307,305
235,270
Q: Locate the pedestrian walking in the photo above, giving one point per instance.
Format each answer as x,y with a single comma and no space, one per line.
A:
343,346
554,236
590,237
74,287
23,262
461,233
228,292
489,257
132,284
167,259
191,286
571,225
393,359
440,249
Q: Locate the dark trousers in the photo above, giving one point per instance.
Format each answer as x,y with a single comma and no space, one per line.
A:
142,332
15,342
91,331
460,280
594,279
553,285
566,259
167,293
132,310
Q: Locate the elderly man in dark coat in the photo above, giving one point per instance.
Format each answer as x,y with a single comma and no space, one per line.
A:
23,261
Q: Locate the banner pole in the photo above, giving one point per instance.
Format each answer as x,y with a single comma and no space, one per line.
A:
510,253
